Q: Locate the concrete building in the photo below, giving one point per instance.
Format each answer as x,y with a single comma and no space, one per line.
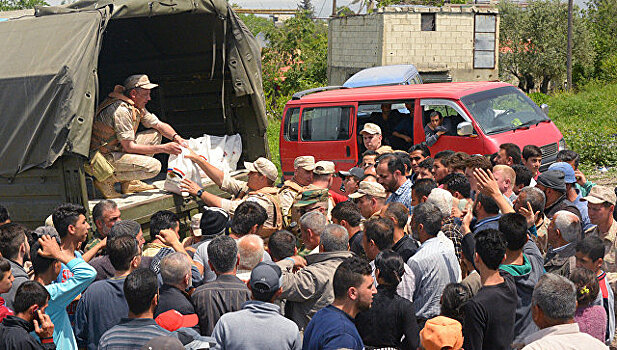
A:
458,41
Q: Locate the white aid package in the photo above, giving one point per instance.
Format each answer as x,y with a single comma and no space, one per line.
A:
223,152
178,168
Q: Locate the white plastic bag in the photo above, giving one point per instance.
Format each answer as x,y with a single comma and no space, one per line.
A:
178,168
223,152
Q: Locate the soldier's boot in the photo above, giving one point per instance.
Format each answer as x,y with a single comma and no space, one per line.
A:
107,188
134,186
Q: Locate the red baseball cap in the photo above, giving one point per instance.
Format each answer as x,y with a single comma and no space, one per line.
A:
172,320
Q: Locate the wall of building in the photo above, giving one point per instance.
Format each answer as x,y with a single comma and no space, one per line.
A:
354,43
449,48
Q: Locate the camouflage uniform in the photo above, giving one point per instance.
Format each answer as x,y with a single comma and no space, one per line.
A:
117,120
267,197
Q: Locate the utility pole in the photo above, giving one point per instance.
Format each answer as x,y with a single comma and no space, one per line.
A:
569,49
333,8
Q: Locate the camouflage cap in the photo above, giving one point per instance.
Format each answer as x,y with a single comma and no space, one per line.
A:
311,197
371,188
138,81
370,128
263,166
305,162
324,167
600,194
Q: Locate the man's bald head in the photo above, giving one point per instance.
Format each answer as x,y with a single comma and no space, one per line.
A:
251,250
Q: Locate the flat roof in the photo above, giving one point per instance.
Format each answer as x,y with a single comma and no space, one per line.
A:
399,92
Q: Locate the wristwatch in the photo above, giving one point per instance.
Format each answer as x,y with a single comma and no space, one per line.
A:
200,192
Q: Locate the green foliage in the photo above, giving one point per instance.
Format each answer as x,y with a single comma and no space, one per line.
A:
588,121
533,43
601,15
9,5
608,68
294,60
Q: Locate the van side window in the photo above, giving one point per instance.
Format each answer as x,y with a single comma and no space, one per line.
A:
451,118
290,130
325,123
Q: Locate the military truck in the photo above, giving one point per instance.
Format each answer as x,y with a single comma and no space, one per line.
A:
59,62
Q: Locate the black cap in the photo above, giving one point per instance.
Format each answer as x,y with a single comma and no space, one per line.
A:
553,179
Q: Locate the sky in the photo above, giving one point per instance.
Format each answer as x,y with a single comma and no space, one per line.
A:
323,8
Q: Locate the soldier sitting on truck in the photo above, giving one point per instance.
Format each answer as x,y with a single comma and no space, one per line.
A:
115,136
259,188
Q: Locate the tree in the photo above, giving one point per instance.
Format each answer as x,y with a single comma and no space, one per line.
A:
533,43
306,6
9,5
601,16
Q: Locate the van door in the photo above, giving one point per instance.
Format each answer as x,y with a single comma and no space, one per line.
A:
327,133
453,115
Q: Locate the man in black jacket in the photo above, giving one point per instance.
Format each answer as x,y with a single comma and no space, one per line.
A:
29,306
176,275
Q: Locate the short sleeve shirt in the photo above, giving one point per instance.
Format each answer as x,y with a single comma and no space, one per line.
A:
118,115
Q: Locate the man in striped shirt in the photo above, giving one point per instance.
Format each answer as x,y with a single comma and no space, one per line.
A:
142,294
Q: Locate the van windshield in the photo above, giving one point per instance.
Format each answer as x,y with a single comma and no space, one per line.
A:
503,109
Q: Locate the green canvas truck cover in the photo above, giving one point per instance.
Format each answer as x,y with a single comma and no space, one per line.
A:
49,77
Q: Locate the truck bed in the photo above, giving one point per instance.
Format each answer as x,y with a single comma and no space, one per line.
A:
140,206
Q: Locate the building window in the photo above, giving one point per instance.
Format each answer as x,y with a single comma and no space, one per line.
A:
427,22
484,41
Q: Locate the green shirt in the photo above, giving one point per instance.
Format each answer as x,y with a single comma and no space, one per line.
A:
518,270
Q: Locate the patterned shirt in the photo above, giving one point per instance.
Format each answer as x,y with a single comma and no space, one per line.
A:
131,334
213,299
402,195
452,229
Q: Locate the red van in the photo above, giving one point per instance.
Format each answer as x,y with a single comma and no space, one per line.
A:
480,115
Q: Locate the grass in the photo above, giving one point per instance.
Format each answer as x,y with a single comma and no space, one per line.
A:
588,121
273,132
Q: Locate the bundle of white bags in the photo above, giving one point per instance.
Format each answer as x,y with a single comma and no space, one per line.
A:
221,151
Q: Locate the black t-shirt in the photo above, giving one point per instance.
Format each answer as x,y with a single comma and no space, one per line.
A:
490,315
355,244
406,247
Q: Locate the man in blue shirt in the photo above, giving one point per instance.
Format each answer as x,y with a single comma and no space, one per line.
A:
332,327
391,175
46,259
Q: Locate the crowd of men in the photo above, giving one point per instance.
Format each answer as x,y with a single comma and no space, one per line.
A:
470,252
443,251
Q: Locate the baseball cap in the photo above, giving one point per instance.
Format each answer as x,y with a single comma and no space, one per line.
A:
355,171
309,197
600,194
164,342
212,222
384,149
305,162
263,166
266,278
172,320
138,81
324,167
440,332
371,128
566,169
553,179
371,188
